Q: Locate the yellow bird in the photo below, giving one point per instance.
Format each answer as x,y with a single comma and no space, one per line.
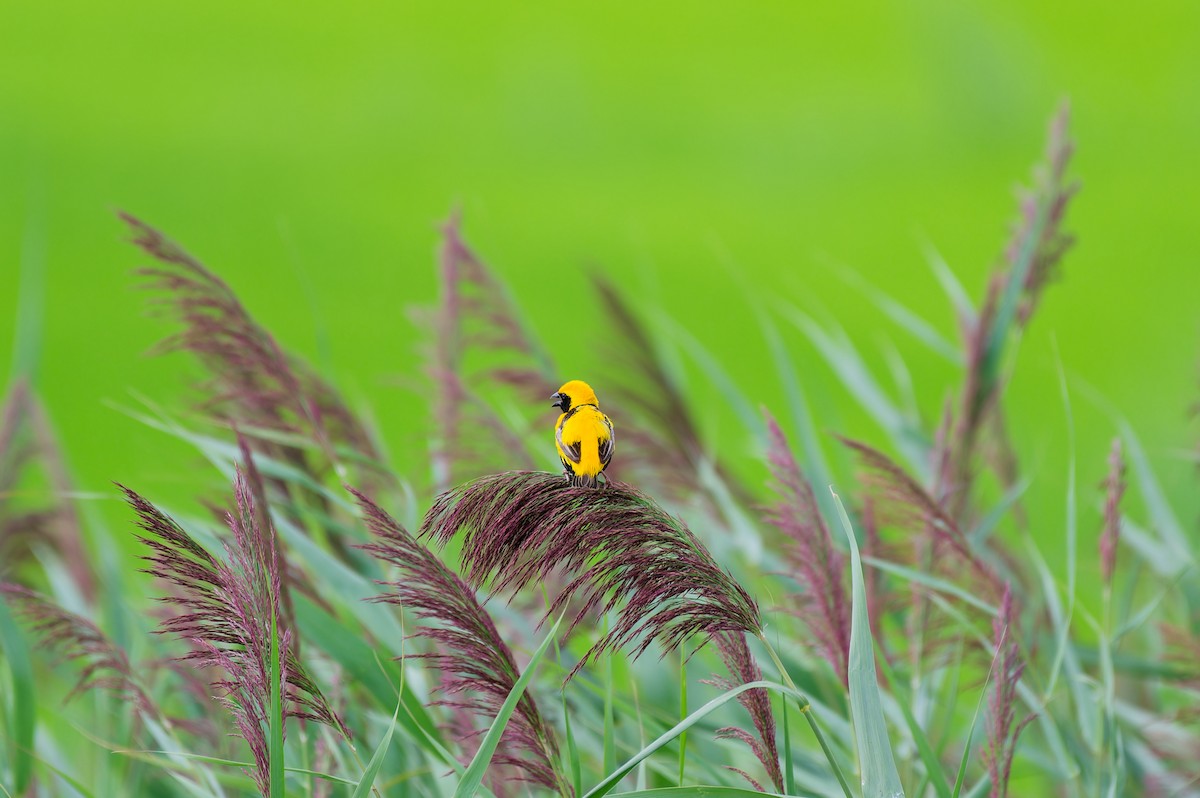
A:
583,435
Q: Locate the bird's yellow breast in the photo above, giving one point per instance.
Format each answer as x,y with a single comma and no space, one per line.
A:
579,437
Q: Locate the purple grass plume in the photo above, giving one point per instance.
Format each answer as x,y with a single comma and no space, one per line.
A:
252,383
662,440
1007,668
897,493
743,669
1114,489
1032,256
622,552
105,665
225,610
476,318
477,668
813,561
1038,233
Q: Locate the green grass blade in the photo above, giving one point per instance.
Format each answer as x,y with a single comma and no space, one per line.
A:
933,767
683,704
473,775
343,642
961,776
23,721
879,776
613,778
933,582
789,764
363,788
843,358
156,756
610,743
574,766
950,284
1166,523
814,461
699,791
275,740
903,317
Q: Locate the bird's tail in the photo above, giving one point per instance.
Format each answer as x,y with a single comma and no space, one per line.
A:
583,481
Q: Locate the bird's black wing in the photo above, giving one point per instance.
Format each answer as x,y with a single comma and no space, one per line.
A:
607,446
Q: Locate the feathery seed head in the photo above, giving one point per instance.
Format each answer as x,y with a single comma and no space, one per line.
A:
75,638
620,551
1007,668
251,380
1114,489
743,669
477,668
814,562
226,613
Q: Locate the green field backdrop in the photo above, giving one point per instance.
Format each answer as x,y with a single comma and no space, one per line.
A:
716,159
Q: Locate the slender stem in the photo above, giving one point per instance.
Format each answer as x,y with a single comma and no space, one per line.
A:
683,708
806,710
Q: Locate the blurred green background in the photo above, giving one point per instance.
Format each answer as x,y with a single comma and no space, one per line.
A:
696,152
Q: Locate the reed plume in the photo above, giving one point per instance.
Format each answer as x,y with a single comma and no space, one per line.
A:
226,611
1007,668
475,316
743,669
813,561
252,382
662,440
1114,489
478,670
621,552
75,639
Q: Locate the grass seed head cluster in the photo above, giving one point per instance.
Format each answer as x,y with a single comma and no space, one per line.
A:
309,644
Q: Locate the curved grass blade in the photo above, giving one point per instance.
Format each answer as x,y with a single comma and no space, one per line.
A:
879,776
698,791
275,739
933,768
363,788
24,708
932,582
162,758
473,776
613,778
961,776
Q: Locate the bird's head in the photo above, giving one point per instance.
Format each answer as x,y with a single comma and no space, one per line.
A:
574,394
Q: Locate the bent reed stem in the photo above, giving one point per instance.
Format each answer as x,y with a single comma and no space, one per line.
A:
806,711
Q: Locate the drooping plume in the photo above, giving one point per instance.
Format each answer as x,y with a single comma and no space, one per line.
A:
105,665
620,550
225,611
743,669
813,561
251,382
898,493
663,440
476,319
478,670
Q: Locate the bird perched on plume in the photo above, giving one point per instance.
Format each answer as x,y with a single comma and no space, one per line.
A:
583,435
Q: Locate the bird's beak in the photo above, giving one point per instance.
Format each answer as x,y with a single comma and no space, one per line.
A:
558,398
